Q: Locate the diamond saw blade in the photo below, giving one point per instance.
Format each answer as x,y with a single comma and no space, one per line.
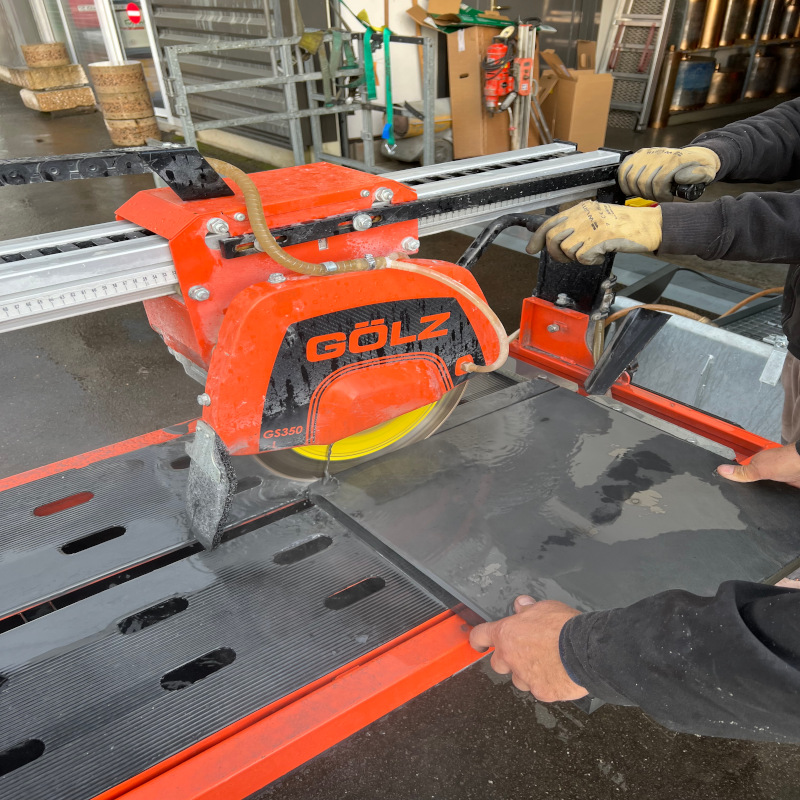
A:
309,463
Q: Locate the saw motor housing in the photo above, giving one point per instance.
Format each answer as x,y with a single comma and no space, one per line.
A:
295,360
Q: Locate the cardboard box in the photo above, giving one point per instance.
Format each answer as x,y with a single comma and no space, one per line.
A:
586,54
444,6
475,131
577,109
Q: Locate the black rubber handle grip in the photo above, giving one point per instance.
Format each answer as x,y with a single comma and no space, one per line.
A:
688,191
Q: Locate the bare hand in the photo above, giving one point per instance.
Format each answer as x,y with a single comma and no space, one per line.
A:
776,464
526,645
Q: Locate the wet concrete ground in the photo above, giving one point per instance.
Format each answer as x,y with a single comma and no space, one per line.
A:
78,384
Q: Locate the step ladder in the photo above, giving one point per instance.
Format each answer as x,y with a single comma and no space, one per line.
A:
633,54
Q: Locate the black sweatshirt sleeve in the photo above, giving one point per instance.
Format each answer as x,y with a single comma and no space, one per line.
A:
757,226
727,665
764,148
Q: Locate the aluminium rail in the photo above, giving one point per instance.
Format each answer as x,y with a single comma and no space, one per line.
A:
58,275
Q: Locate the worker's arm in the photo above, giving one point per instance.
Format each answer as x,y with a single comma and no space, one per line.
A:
764,148
757,226
760,227
727,665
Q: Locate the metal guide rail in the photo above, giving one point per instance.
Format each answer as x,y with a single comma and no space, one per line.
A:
64,274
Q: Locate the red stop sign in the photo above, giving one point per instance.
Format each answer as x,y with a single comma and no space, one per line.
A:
134,13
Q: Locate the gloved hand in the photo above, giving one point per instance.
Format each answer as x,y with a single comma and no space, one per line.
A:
651,172
588,231
775,464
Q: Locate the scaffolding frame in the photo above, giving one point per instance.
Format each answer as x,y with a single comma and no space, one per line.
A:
285,57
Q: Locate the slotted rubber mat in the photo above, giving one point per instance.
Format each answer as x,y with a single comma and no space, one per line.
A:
132,510
96,692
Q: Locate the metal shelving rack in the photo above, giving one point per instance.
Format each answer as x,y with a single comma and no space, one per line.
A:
749,46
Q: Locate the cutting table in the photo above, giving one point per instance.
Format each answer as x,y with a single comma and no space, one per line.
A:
191,668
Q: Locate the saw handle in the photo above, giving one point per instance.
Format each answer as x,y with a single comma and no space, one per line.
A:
688,191
491,232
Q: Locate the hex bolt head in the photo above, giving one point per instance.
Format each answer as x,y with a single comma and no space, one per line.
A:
384,194
362,222
276,277
410,244
553,328
240,216
204,399
217,226
199,293
365,192
562,299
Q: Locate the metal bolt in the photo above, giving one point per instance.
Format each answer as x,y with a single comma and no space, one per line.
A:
217,226
384,194
199,293
410,244
240,216
562,299
365,192
362,222
204,399
553,328
276,277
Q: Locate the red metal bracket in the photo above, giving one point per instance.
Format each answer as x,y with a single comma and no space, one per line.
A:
554,340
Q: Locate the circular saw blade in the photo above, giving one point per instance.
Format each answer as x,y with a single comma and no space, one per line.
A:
297,464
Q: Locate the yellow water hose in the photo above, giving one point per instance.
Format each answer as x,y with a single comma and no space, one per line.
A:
266,242
741,304
681,312
503,338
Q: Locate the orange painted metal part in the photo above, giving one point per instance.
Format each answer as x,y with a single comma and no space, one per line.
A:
244,334
292,195
565,354
93,456
253,331
261,748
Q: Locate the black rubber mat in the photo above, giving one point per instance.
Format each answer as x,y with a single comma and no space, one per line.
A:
132,511
96,692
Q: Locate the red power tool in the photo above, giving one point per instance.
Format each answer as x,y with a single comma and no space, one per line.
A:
506,76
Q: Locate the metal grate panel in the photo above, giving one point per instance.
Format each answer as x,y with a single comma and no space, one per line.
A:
622,119
627,91
759,325
647,6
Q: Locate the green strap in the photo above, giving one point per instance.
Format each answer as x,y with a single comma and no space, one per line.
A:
389,106
369,69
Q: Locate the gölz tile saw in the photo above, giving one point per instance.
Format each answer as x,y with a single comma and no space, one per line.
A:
197,612
308,373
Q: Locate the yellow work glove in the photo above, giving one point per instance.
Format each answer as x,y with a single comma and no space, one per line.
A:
588,231
651,172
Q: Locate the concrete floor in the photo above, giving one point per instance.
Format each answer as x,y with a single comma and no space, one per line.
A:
78,384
